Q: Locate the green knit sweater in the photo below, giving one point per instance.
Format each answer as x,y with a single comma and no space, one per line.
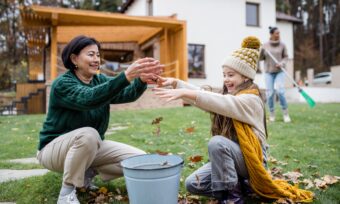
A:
74,104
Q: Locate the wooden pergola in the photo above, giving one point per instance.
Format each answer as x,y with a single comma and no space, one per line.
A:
64,24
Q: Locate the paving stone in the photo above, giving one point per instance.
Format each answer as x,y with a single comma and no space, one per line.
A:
31,160
9,174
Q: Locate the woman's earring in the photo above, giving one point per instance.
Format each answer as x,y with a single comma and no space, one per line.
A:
76,67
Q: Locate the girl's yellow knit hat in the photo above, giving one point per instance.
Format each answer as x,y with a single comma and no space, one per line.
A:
245,59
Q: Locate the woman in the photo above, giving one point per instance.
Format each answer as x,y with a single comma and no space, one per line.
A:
72,137
274,74
237,150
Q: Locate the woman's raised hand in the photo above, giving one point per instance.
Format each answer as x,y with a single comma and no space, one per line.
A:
146,68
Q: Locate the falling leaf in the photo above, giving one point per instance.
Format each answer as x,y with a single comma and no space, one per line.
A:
156,120
161,153
190,130
196,158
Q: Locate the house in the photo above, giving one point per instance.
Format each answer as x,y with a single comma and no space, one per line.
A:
215,28
123,39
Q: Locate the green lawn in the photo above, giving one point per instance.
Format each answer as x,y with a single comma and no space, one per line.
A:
310,143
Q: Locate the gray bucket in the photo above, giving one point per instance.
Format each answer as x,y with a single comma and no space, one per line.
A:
152,178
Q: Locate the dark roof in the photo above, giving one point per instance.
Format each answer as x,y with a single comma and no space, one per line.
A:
285,17
125,5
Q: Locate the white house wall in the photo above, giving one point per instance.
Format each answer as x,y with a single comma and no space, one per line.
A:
220,25
138,8
286,31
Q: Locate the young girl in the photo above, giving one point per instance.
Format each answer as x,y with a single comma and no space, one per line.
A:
237,150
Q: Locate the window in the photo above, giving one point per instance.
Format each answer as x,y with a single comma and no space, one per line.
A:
252,14
196,61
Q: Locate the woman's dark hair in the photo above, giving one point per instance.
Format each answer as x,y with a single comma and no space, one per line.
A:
74,47
272,29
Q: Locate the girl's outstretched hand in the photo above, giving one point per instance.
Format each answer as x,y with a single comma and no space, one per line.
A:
166,81
169,94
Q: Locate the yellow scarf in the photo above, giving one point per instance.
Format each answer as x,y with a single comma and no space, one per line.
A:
260,180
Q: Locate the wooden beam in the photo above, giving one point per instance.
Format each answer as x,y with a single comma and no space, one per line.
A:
54,19
86,17
107,33
150,35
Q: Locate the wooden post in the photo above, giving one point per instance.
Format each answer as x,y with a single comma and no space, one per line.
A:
54,46
183,54
54,53
177,70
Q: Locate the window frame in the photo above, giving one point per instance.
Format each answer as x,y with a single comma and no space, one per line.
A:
200,73
257,14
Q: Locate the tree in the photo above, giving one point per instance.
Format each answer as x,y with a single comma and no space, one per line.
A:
12,45
317,39
13,56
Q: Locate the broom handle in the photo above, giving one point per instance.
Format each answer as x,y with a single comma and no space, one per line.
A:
283,69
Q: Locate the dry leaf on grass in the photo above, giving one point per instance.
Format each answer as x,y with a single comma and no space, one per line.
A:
331,179
320,184
284,201
161,152
308,183
196,158
293,176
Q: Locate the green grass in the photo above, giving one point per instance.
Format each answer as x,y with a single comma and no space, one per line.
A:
313,138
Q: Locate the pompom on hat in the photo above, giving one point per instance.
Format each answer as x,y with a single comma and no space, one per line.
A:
245,59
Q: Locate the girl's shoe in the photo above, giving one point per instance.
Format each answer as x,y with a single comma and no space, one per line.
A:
236,195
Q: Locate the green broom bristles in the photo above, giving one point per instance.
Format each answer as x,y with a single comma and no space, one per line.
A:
309,100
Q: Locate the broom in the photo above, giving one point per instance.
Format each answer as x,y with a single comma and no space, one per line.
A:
308,99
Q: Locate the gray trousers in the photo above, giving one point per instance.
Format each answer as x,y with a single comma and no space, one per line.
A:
222,172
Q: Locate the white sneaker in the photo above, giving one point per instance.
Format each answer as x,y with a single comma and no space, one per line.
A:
271,117
286,118
69,198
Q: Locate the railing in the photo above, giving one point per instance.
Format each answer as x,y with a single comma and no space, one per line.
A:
32,104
